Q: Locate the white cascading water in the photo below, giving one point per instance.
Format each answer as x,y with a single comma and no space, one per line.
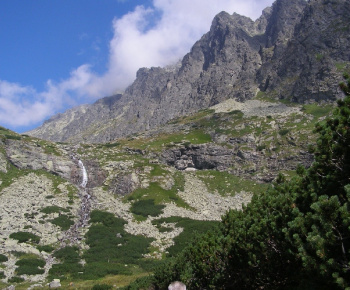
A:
85,176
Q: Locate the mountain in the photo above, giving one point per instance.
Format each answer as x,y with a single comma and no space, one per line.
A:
182,146
297,50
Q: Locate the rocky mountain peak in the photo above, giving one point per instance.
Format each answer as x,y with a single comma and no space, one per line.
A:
309,66
297,50
285,14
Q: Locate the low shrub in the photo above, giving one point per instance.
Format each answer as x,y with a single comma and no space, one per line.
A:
101,287
53,209
68,254
15,279
110,145
261,147
45,248
147,207
34,262
107,219
17,254
70,264
65,270
283,132
191,228
96,270
13,137
3,258
238,113
140,283
30,266
63,221
23,237
161,195
111,247
225,183
317,110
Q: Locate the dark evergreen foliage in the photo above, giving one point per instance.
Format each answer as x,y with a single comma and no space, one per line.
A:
30,266
3,258
101,287
24,237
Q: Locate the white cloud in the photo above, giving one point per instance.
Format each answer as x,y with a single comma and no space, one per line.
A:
148,36
15,110
24,106
178,24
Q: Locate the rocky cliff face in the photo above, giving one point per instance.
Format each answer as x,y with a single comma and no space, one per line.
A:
296,50
306,63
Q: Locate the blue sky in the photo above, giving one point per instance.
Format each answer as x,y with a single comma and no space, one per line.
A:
55,54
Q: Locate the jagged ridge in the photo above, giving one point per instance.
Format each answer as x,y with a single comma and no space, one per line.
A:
296,50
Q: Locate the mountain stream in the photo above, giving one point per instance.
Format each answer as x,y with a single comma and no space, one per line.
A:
73,235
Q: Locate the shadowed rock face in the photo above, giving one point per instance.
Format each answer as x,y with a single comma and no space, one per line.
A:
26,156
296,50
306,66
213,156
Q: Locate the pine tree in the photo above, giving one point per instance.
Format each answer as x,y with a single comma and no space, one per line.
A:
320,229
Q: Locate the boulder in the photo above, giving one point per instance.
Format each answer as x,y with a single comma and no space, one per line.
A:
177,286
56,283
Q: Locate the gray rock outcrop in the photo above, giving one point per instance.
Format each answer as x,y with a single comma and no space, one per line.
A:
177,286
305,62
56,283
238,162
3,163
24,156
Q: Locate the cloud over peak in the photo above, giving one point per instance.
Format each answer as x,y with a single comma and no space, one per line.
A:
148,36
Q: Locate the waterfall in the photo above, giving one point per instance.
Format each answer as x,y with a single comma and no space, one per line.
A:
74,234
85,176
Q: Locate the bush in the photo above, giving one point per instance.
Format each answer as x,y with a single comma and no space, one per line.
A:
107,219
283,132
18,254
111,247
70,266
34,262
13,137
65,270
191,228
63,221
101,287
2,275
147,207
96,270
3,258
161,195
68,254
30,266
24,237
53,208
45,248
15,279
140,283
261,147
